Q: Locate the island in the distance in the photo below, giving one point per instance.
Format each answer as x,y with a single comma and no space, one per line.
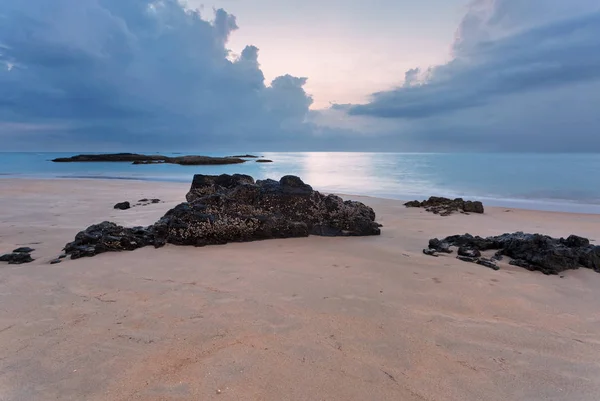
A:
151,159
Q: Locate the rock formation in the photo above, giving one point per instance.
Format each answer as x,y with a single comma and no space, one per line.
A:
446,206
531,251
235,208
151,159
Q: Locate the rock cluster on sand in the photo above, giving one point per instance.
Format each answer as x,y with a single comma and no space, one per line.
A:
235,208
446,206
151,159
18,256
531,251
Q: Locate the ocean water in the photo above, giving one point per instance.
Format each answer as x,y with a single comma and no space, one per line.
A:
561,182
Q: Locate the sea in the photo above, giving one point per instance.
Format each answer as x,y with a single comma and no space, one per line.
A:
555,182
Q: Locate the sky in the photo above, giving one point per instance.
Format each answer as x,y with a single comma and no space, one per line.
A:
379,75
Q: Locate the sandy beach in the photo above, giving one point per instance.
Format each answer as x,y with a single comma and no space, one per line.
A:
367,318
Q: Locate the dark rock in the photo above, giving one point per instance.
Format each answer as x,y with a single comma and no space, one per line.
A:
590,257
468,252
480,261
55,261
62,256
209,184
25,249
146,201
487,263
122,206
226,208
469,241
535,252
264,161
467,259
498,256
522,263
105,237
245,156
574,241
446,206
148,162
439,246
16,258
414,203
473,207
151,159
430,252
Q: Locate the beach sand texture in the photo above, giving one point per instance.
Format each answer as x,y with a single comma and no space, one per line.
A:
368,318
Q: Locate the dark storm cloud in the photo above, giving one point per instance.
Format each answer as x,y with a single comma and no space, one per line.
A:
558,53
116,71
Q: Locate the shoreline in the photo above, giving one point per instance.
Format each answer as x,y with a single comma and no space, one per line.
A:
546,205
342,318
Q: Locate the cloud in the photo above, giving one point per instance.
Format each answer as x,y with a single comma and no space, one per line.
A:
558,53
122,72
536,64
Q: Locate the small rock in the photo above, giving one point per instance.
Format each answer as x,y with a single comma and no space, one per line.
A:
487,263
439,246
467,259
264,161
446,206
143,200
430,252
62,256
24,250
55,261
16,258
123,206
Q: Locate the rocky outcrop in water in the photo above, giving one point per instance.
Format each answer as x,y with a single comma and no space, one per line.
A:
18,256
235,208
446,206
151,159
264,161
534,252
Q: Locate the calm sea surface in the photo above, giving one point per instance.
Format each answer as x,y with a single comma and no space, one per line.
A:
565,182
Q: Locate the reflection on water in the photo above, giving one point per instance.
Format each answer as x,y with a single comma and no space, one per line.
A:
498,178
381,174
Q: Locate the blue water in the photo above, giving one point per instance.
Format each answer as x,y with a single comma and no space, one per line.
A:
563,182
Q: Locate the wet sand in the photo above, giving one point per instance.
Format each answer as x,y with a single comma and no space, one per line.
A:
297,319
